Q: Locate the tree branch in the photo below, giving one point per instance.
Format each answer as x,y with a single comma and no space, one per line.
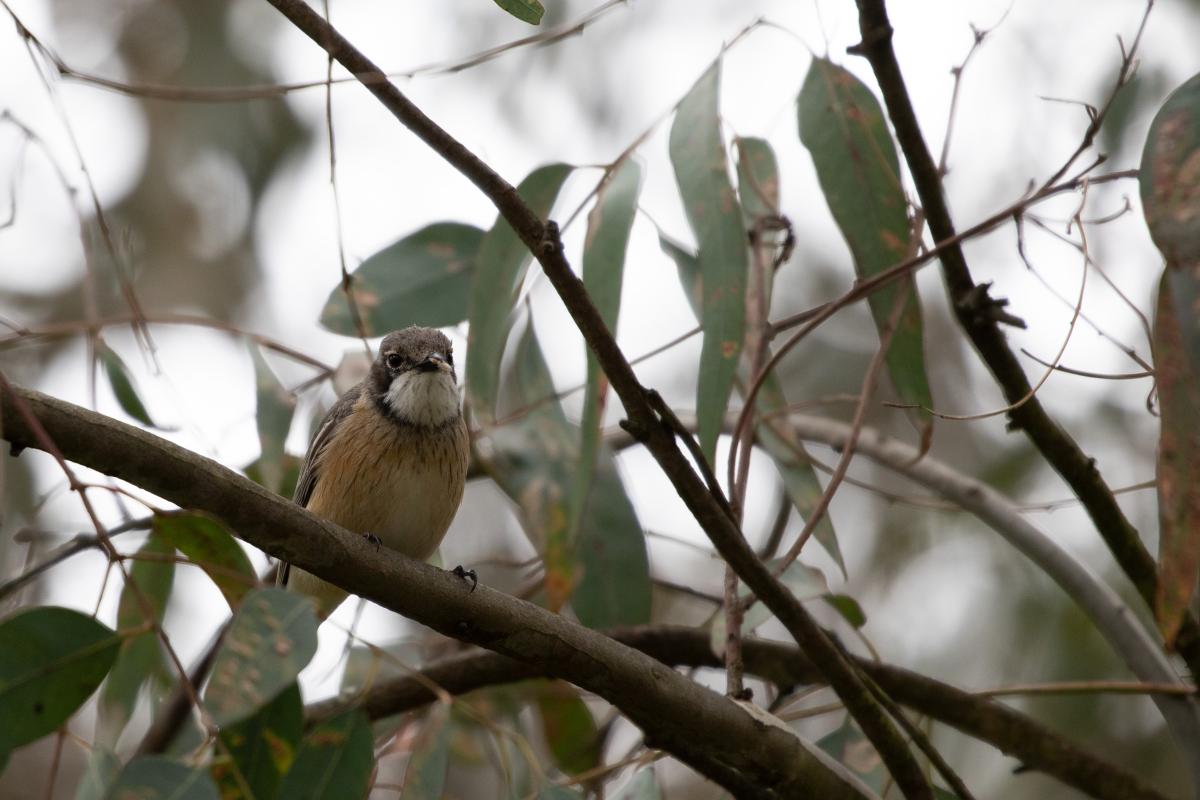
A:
1010,731
543,242
972,307
748,758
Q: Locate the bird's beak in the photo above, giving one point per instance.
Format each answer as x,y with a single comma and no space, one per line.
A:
434,362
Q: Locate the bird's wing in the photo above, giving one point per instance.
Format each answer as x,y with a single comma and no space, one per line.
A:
308,473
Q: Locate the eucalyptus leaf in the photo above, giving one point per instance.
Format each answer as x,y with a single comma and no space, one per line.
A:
421,279
271,638
51,660
697,152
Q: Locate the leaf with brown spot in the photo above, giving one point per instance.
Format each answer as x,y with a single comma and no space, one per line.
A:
843,127
697,152
421,279
272,637
1178,467
533,458
609,225
261,748
334,762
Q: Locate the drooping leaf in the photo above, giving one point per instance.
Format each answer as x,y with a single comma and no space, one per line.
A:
262,748
642,786
609,226
151,575
844,129
758,190
758,178
273,414
530,11
848,608
605,570
697,152
271,638
121,381
207,543
502,261
568,728
161,778
425,776
1178,467
334,762
1170,188
99,773
51,660
778,438
422,279
775,434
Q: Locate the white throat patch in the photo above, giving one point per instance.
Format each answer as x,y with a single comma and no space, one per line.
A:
429,399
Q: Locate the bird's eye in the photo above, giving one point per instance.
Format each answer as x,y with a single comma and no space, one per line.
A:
450,359
394,361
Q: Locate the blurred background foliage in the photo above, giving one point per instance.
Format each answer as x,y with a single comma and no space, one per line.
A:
223,210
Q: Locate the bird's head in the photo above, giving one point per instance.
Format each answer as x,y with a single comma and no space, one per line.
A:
413,377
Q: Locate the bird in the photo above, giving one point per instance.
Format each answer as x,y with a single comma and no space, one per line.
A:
389,459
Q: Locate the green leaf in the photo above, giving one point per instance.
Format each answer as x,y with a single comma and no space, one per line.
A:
698,155
775,434
275,408
758,178
778,438
51,660
272,637
153,575
422,279
848,608
1178,476
99,773
530,11
208,543
262,749
425,775
160,778
642,786
568,728
687,264
503,259
844,130
334,762
122,385
609,226
604,571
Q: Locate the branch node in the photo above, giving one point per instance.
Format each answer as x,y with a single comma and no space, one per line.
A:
550,241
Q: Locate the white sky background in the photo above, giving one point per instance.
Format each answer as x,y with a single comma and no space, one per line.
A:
526,109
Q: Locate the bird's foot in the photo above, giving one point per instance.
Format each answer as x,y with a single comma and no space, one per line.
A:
466,575
373,539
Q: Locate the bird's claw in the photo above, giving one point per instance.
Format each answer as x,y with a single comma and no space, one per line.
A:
466,575
373,539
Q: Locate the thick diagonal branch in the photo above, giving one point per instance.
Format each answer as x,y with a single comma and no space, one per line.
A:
748,758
